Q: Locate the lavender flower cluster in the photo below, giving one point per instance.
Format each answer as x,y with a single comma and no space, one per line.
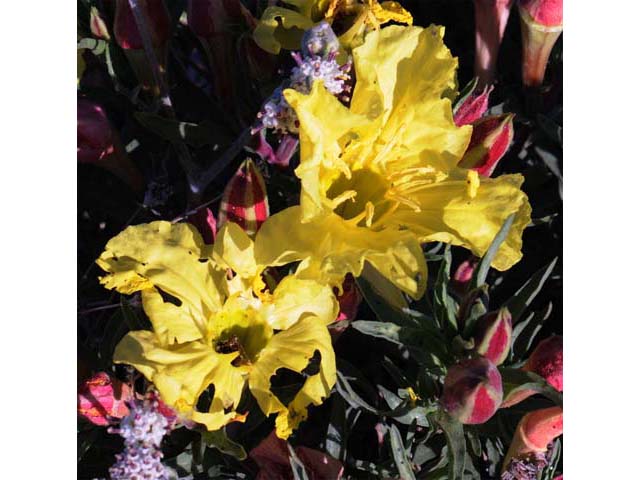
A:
525,468
316,62
142,430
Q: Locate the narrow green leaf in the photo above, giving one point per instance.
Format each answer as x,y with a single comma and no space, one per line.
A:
525,332
482,270
523,297
297,467
515,380
399,454
176,131
443,304
386,330
457,450
335,441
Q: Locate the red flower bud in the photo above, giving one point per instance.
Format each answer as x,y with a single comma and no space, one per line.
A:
491,18
206,224
535,431
98,26
490,140
245,200
349,300
128,36
541,25
493,336
99,144
102,397
126,29
472,108
546,361
472,391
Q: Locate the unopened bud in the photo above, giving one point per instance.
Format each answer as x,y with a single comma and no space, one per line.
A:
245,200
319,40
472,391
101,398
98,26
546,361
473,107
493,336
541,25
491,18
490,140
535,431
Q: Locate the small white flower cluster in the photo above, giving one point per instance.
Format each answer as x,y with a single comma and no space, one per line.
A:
142,430
317,62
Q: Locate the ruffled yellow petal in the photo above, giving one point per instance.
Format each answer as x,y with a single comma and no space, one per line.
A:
391,11
234,249
170,257
294,299
401,74
182,372
281,28
329,247
171,323
450,214
293,348
322,142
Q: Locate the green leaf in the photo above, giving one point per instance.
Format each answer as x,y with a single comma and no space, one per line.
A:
335,441
524,333
384,298
443,304
97,47
297,467
515,380
414,414
386,330
176,131
218,439
523,297
399,454
457,450
482,270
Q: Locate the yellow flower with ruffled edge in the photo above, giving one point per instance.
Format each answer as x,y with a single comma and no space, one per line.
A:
214,323
381,176
281,27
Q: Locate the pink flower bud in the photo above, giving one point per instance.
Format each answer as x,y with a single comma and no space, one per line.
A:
491,18
98,26
543,12
101,398
99,144
95,136
472,108
490,140
541,25
464,274
472,391
245,200
493,336
546,361
535,431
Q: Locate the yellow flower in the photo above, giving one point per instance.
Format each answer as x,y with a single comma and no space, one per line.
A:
282,27
214,324
382,176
